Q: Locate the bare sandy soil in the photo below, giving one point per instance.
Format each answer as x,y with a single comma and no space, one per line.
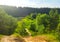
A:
11,39
26,39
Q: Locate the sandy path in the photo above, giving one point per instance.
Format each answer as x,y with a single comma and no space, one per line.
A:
27,39
35,39
6,39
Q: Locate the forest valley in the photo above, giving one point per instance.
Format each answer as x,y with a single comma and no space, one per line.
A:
35,27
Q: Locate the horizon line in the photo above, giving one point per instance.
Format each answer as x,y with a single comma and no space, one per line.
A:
29,6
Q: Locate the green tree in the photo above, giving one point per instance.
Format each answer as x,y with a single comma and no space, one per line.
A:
22,26
54,19
39,23
7,23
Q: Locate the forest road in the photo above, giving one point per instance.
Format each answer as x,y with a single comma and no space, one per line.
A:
28,39
6,39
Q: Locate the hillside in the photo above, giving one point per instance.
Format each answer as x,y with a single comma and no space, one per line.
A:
23,11
42,27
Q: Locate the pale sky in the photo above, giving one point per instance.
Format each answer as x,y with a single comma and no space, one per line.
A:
31,3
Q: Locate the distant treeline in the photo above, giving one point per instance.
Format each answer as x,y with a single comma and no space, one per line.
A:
21,12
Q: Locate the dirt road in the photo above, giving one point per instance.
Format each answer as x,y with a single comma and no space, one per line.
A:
5,39
28,39
35,39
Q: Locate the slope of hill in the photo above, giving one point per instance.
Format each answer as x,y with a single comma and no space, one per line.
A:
21,12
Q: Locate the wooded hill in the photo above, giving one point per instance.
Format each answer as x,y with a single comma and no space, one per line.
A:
23,11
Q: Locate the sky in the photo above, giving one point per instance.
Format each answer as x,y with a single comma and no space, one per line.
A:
32,3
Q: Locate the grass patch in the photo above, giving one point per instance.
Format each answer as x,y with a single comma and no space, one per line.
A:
1,36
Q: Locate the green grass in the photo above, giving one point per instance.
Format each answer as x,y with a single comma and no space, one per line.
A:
1,36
